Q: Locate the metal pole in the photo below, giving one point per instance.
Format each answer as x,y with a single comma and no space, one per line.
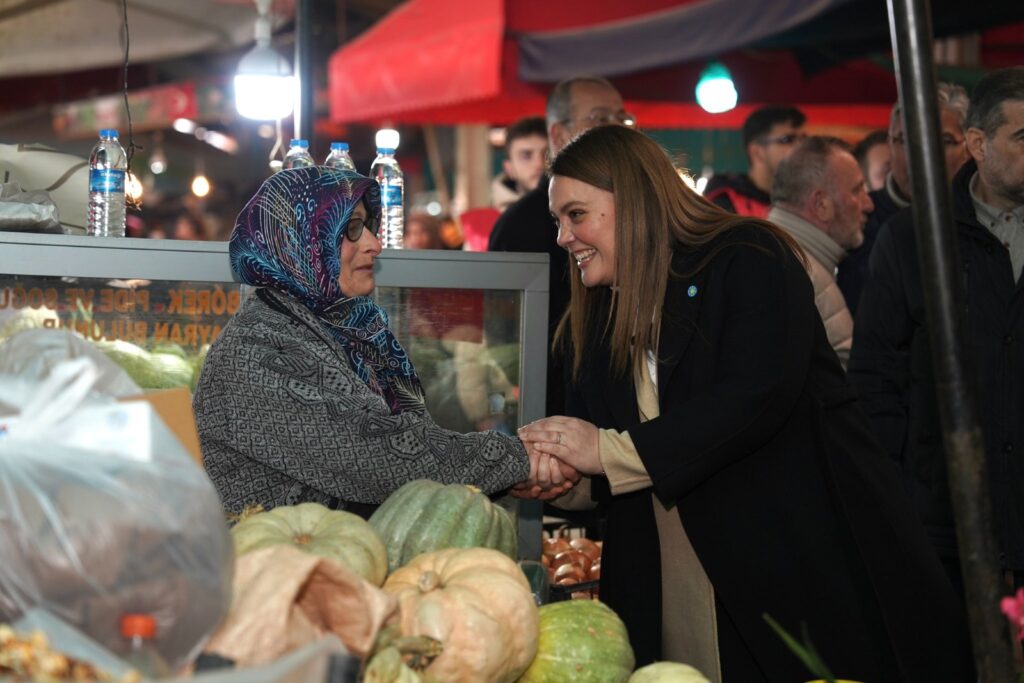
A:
910,26
437,168
304,69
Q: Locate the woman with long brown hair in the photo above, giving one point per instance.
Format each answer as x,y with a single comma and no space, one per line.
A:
712,421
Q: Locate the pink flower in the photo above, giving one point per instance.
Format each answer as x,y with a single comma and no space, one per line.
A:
1013,608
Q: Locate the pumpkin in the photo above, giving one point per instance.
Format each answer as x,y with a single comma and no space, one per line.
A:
582,641
387,667
423,516
477,602
667,672
311,527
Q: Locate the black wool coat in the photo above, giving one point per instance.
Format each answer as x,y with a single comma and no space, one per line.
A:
790,504
891,368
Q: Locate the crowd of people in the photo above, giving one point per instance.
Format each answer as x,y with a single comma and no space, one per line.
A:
739,384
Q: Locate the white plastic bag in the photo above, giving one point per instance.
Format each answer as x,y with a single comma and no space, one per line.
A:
32,354
103,513
22,211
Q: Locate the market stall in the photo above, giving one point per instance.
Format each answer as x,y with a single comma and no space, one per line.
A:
157,305
154,307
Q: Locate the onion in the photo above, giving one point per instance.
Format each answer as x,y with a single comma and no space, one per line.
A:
553,546
569,571
587,547
572,556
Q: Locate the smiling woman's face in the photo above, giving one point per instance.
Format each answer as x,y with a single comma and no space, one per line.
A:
356,278
586,227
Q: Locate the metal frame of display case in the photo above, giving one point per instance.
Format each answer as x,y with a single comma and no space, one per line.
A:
30,254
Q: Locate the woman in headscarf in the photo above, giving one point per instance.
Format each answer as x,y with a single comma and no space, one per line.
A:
306,395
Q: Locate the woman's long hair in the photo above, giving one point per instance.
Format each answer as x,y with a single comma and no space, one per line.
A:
655,214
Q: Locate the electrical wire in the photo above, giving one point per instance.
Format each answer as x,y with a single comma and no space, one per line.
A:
135,204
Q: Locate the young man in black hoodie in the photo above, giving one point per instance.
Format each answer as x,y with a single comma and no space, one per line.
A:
769,135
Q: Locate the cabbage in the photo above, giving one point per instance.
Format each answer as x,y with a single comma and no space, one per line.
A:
150,370
172,370
27,319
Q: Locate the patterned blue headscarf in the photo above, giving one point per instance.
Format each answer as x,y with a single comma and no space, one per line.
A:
288,238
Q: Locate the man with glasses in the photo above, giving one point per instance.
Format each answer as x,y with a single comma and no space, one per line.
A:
574,105
769,135
895,195
891,365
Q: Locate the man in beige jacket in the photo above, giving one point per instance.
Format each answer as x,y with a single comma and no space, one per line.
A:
820,198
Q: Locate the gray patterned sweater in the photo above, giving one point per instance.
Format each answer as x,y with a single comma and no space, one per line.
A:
284,419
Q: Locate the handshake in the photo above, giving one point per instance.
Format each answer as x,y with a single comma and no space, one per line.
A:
561,449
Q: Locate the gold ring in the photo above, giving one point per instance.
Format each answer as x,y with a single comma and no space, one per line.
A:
559,438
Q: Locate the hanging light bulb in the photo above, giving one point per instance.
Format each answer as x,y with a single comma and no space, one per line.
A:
157,162
264,86
158,159
200,185
387,138
716,92
133,188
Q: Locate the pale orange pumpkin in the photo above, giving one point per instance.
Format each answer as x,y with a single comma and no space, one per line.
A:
477,602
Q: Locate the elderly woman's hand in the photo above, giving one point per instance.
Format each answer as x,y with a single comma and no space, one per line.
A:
549,477
571,440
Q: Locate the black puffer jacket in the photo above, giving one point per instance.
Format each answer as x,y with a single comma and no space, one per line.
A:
891,368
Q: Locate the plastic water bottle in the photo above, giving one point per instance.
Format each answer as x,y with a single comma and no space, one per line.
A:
140,630
339,158
386,172
298,155
108,165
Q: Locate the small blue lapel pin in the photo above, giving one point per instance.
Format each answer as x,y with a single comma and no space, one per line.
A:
691,291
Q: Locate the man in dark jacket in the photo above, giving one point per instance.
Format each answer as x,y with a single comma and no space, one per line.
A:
895,195
769,135
574,105
891,365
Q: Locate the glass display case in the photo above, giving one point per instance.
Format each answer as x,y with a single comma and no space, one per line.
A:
475,324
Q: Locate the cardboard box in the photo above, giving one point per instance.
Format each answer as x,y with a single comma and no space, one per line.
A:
174,406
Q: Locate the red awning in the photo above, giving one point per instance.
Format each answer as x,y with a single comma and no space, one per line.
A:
426,53
456,61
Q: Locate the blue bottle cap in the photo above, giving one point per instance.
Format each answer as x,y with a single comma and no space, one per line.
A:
340,146
108,133
299,143
385,150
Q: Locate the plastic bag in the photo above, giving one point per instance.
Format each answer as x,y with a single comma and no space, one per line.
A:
285,597
27,211
103,513
308,664
65,177
32,354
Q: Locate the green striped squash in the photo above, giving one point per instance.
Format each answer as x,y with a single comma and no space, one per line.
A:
424,516
582,641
